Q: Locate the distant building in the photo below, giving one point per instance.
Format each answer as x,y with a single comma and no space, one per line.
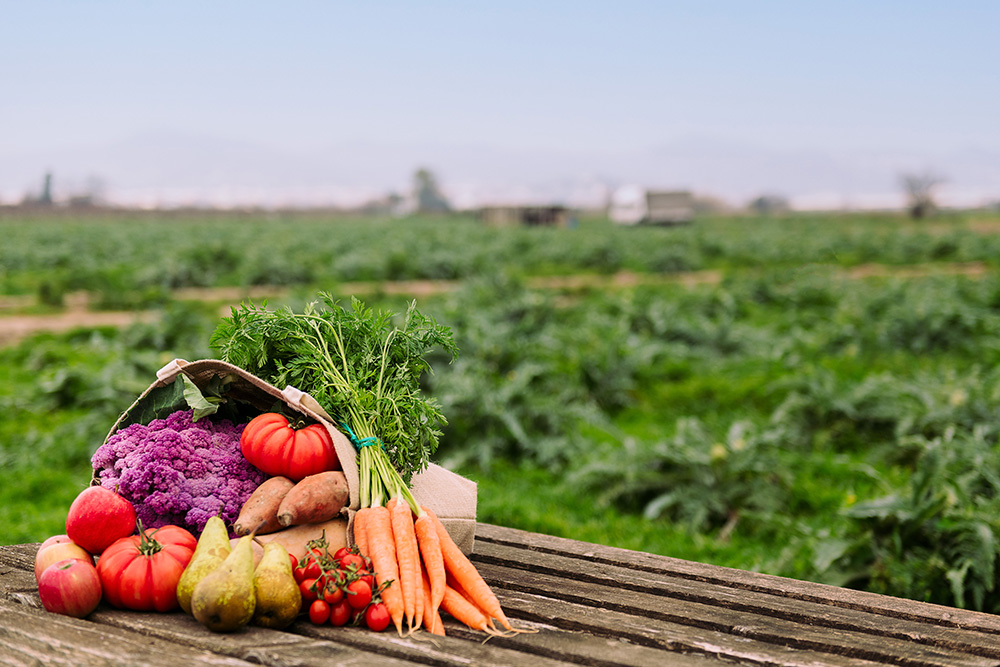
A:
528,216
633,205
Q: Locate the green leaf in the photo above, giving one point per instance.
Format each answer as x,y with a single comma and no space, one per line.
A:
202,405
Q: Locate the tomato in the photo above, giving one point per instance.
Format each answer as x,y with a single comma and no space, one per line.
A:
295,561
273,445
308,589
333,594
367,577
300,574
141,571
377,617
340,613
359,594
319,612
312,570
352,559
340,553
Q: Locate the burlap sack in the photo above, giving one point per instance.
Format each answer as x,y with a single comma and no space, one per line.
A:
450,496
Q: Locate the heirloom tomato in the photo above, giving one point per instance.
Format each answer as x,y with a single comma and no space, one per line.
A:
141,571
272,444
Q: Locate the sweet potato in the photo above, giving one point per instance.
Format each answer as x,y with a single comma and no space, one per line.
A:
261,508
316,498
296,538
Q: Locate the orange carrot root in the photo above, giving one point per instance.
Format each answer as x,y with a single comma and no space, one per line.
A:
464,572
361,530
464,611
406,557
383,557
430,552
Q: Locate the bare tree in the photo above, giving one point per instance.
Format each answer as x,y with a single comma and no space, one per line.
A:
920,193
428,194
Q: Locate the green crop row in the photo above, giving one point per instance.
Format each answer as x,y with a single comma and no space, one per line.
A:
791,418
130,262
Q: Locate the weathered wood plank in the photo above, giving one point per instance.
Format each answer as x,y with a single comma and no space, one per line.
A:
648,610
258,645
666,639
35,637
550,647
740,599
674,567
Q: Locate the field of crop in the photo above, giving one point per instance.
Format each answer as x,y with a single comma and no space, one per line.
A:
812,396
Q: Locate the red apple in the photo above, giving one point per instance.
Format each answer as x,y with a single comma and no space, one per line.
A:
55,549
71,587
98,517
55,539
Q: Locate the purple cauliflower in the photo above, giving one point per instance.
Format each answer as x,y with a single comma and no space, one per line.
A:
179,471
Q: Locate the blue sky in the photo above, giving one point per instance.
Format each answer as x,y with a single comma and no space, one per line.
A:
577,92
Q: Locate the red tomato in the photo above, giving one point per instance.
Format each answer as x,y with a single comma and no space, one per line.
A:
300,574
359,594
308,589
352,559
273,445
377,617
340,553
312,570
332,592
367,577
141,571
295,561
340,613
319,612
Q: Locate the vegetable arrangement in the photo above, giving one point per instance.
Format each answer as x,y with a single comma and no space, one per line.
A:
174,474
365,372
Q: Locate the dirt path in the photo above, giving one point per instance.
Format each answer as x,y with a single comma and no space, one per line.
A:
15,327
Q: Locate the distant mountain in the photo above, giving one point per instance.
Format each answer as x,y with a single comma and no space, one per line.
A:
170,168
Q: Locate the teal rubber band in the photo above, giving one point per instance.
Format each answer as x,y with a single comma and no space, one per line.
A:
363,442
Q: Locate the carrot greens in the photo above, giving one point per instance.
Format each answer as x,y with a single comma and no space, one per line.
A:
362,366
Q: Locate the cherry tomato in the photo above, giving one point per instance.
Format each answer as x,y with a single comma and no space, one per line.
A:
313,569
300,574
308,589
377,617
367,577
340,613
359,594
352,560
340,553
295,561
319,612
333,593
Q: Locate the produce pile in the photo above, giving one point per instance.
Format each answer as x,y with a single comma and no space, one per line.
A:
239,520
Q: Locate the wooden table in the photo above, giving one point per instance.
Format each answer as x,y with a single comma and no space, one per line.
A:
590,605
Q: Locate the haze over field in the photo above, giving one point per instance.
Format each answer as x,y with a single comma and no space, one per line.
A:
311,103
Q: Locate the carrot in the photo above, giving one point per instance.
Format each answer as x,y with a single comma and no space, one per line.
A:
383,556
461,568
464,611
430,551
361,530
407,557
432,618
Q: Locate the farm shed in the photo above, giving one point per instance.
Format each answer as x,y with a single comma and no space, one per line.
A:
632,205
528,216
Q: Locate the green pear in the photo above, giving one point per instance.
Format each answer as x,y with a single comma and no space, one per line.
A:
278,597
211,551
225,599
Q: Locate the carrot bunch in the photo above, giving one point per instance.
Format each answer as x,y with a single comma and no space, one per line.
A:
409,545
